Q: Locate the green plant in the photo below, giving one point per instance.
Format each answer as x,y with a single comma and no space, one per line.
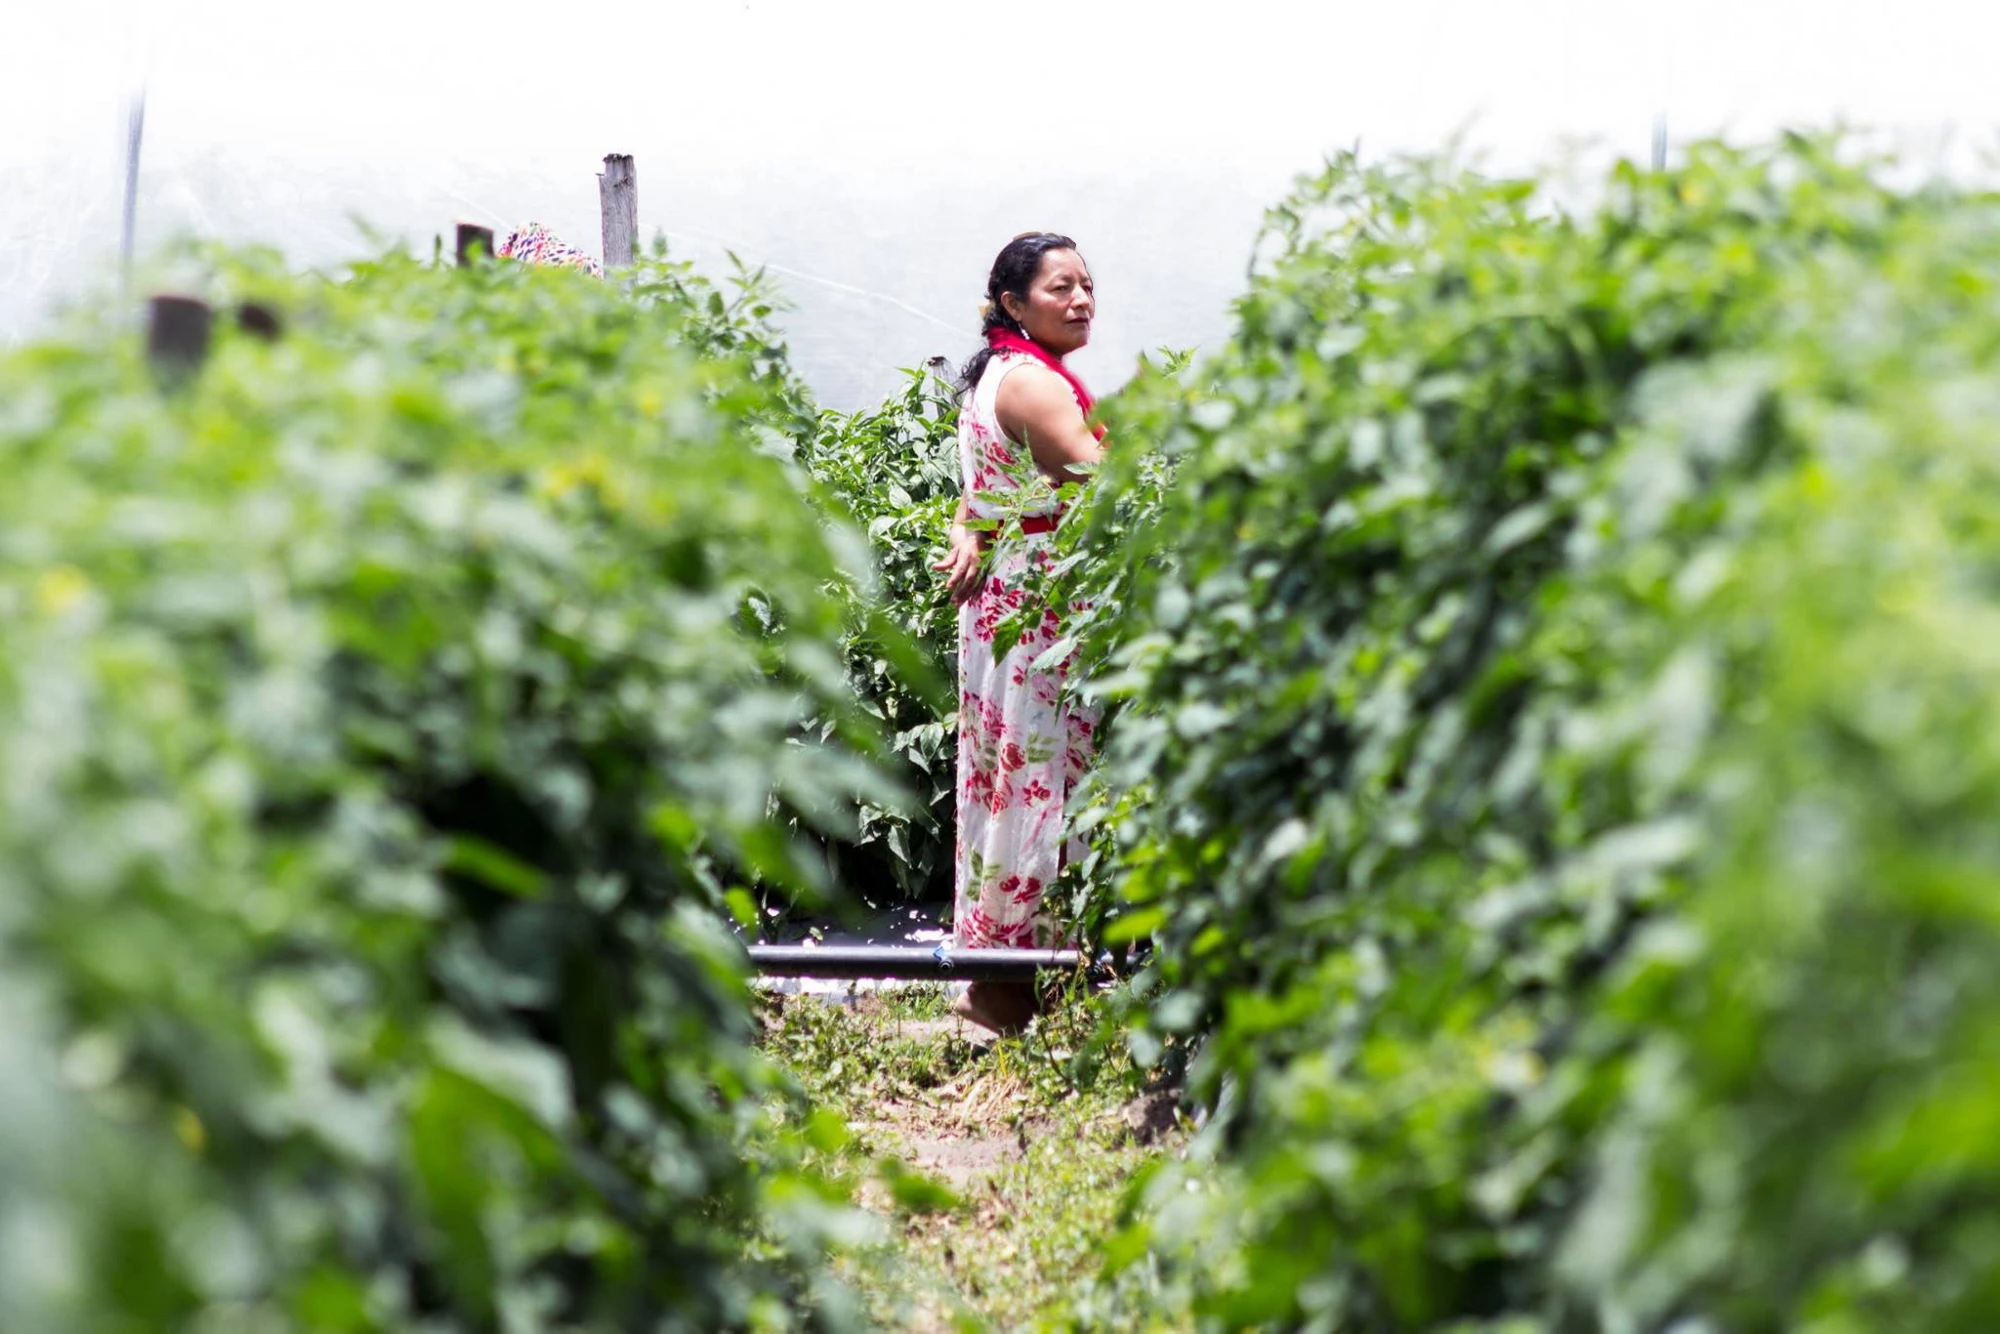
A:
893,471
386,717
1546,765
1800,1135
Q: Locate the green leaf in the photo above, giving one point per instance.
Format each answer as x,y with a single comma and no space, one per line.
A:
490,866
915,1193
1134,926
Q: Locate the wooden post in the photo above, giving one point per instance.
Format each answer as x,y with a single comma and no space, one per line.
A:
618,197
259,320
473,240
176,336
940,391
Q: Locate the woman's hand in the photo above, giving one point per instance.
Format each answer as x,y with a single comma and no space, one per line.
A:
963,564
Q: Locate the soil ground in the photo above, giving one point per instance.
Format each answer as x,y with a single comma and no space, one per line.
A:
999,1168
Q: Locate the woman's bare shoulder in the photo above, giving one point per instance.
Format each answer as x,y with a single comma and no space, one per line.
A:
1031,384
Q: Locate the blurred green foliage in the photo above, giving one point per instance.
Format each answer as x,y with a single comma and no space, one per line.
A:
1553,753
386,716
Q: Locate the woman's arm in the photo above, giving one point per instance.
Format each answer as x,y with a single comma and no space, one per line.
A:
1035,405
964,557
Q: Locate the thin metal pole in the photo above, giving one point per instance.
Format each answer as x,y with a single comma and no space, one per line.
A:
942,963
135,132
1660,142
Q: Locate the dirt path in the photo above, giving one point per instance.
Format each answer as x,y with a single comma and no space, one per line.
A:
961,1131
1032,1159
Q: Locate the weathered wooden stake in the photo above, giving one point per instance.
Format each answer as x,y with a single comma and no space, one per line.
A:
473,240
618,196
259,320
176,336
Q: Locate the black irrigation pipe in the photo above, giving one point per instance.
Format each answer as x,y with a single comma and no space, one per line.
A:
939,963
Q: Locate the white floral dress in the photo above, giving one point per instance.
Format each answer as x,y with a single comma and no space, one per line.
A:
1021,746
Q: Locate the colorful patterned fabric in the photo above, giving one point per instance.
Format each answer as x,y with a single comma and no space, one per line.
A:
536,244
1021,745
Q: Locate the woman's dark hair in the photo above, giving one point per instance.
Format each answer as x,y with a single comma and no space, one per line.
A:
1014,271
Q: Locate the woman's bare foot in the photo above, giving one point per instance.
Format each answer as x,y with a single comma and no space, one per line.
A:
1006,1008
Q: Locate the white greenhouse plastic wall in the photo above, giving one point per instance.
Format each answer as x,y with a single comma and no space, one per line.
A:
876,153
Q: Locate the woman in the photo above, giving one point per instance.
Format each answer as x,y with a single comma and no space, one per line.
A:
1021,746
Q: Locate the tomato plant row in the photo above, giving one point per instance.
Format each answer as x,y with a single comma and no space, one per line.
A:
1555,759
385,717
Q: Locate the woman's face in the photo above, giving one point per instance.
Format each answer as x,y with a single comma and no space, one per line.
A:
1060,303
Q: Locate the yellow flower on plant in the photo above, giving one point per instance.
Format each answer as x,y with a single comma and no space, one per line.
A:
60,588
189,1130
559,479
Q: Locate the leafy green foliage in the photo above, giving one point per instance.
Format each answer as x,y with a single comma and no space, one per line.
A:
1552,763
1801,1137
894,472
383,716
